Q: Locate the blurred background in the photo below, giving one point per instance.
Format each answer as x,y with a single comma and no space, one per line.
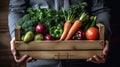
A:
6,58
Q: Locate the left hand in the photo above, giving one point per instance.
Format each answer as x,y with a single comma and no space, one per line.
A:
97,59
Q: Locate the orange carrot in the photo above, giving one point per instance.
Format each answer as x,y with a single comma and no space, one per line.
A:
77,24
69,16
67,27
73,29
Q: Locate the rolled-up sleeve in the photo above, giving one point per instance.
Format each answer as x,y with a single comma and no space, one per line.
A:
17,9
102,12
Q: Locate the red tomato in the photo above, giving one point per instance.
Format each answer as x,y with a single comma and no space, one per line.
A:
92,33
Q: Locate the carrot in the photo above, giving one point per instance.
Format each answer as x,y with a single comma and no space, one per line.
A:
73,29
67,27
69,16
77,24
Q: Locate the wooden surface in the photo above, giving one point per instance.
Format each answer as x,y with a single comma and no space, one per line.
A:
62,54
60,45
17,33
101,31
6,58
3,15
61,50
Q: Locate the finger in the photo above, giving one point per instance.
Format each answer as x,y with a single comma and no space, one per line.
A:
89,59
99,59
92,59
12,44
13,52
22,59
32,60
107,42
106,48
29,59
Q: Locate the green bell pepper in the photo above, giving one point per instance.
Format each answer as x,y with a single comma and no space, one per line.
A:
56,31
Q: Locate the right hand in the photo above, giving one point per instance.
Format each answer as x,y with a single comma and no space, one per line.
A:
24,58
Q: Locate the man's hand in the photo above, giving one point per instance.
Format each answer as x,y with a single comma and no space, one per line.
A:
24,58
97,59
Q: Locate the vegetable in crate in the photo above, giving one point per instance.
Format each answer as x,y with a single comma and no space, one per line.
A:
38,37
40,28
56,31
48,17
92,33
91,23
67,25
69,15
28,37
48,37
23,19
26,24
76,25
79,35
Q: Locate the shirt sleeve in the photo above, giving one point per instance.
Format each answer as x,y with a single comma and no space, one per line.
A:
16,10
101,10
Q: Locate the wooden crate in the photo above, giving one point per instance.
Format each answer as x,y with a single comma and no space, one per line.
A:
69,49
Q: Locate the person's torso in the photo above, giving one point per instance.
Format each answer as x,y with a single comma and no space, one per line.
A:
54,4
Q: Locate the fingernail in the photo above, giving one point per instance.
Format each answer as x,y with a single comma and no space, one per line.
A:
25,55
94,56
89,59
31,58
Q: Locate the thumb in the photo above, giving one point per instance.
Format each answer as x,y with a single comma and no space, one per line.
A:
106,48
12,46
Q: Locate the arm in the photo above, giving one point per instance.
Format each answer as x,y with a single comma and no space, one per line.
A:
102,12
16,10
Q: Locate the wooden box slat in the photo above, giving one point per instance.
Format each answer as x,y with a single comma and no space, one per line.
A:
61,45
17,33
62,54
101,31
